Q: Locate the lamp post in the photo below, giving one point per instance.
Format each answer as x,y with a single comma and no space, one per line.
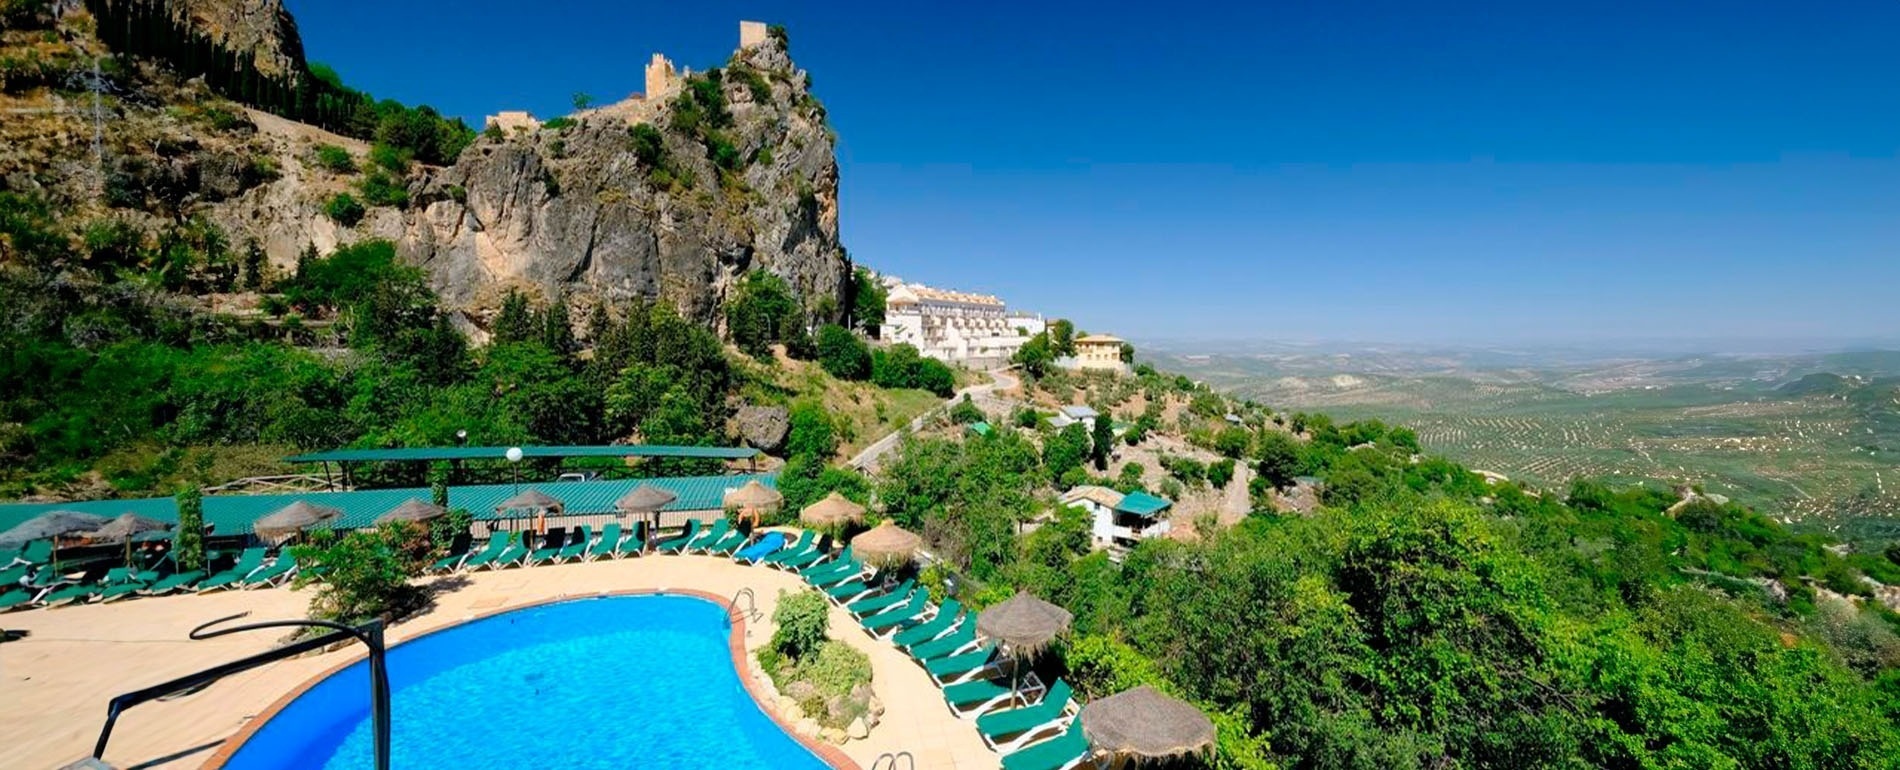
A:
514,461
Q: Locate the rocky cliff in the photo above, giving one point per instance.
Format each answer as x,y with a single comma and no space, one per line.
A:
673,197
581,209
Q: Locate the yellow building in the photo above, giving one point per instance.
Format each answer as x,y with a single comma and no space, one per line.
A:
1099,351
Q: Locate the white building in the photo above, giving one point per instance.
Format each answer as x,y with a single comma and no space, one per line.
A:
953,326
1119,521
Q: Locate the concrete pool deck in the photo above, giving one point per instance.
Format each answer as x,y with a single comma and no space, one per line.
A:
58,678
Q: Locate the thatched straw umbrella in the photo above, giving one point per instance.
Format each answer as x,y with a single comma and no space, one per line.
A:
886,545
1144,723
832,513
1025,624
127,528
412,509
753,499
51,525
646,500
291,520
530,502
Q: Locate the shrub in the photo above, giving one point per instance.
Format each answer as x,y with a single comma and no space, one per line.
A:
380,189
458,193
188,540
559,123
965,412
365,574
803,618
395,159
842,354
344,209
493,132
335,159
812,433
1220,472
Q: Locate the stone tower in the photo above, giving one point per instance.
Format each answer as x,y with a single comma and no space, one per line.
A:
662,79
751,33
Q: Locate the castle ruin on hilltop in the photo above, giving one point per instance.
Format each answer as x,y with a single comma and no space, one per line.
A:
663,80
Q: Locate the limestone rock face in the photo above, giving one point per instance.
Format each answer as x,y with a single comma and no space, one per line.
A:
576,211
763,427
262,27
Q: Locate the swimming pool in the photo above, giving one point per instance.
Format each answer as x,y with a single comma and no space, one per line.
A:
618,681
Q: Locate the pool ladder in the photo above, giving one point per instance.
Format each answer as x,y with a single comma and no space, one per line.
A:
909,761
750,613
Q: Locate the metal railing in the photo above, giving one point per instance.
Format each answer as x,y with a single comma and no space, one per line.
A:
751,613
910,762
370,634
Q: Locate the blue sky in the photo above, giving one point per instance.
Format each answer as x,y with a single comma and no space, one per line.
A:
1476,173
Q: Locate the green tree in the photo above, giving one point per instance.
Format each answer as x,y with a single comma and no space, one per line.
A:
1128,353
365,573
762,311
517,321
842,354
965,412
344,208
188,540
867,302
812,433
1062,338
1279,458
1220,472
1102,441
1035,356
582,100
1066,450
557,330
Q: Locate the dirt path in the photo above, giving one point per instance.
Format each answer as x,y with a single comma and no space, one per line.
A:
867,459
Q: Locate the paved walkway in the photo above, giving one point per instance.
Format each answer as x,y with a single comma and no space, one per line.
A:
55,682
867,459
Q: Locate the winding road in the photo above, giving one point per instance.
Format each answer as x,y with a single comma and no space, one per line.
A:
866,461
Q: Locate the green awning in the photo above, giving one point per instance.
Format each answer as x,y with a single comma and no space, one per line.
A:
1141,503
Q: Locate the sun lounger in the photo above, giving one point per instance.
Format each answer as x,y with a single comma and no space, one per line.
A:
960,667
905,614
608,542
852,590
806,542
128,583
958,640
551,545
248,562
1062,752
728,544
81,593
14,574
17,598
937,625
804,559
976,696
35,552
713,534
173,582
838,569
577,546
458,552
497,543
678,544
883,601
515,555
768,544
276,573
1005,730
635,543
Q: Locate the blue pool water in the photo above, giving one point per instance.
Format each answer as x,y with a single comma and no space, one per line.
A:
611,682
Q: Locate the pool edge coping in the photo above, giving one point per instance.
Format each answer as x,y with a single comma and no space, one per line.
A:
831,755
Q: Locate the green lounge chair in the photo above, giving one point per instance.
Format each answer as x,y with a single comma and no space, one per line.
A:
959,639
273,574
248,562
635,544
459,549
883,601
17,598
960,667
806,558
577,547
845,563
608,542
851,590
976,696
889,621
81,593
497,542
678,544
1062,752
14,574
1008,729
725,546
173,582
551,547
805,541
515,555
35,552
712,534
128,584
945,618
845,571
48,577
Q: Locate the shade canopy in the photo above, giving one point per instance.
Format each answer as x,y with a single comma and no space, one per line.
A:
49,525
645,498
1023,622
833,511
529,503
412,509
886,545
1145,723
294,518
753,495
127,527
